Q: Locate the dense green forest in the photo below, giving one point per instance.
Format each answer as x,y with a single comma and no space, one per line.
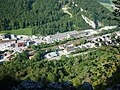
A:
99,66
47,17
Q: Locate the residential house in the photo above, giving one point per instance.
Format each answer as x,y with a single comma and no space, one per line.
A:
13,37
6,37
69,49
51,55
21,44
34,37
61,47
78,35
28,43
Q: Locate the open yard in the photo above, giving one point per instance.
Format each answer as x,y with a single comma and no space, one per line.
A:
25,31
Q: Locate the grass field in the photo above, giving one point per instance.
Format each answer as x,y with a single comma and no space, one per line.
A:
105,1
108,6
25,31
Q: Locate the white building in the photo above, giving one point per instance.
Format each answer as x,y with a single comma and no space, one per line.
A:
13,37
51,55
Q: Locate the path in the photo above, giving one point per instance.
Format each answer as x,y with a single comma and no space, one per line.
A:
65,9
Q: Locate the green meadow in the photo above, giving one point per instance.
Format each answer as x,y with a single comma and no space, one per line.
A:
108,6
25,31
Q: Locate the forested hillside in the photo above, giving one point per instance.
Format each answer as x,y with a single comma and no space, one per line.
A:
51,16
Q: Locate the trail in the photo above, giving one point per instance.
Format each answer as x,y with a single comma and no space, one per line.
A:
65,9
88,21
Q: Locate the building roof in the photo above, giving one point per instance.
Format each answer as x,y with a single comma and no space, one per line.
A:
70,49
61,36
51,54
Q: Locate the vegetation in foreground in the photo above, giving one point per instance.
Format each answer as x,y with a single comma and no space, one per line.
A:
101,67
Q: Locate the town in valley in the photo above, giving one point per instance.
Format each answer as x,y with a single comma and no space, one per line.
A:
11,45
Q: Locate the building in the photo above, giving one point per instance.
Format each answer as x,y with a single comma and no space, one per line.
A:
1,36
60,36
13,37
21,44
31,57
51,55
11,57
69,49
61,47
78,35
32,53
6,37
34,37
30,43
48,39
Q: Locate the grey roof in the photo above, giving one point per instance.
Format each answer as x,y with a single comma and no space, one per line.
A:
70,48
61,36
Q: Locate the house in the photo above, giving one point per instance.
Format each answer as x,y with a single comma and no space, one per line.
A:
13,45
62,36
89,45
21,44
34,37
78,35
69,49
118,33
48,39
30,43
11,57
31,53
6,37
61,47
51,55
1,36
13,37
31,57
